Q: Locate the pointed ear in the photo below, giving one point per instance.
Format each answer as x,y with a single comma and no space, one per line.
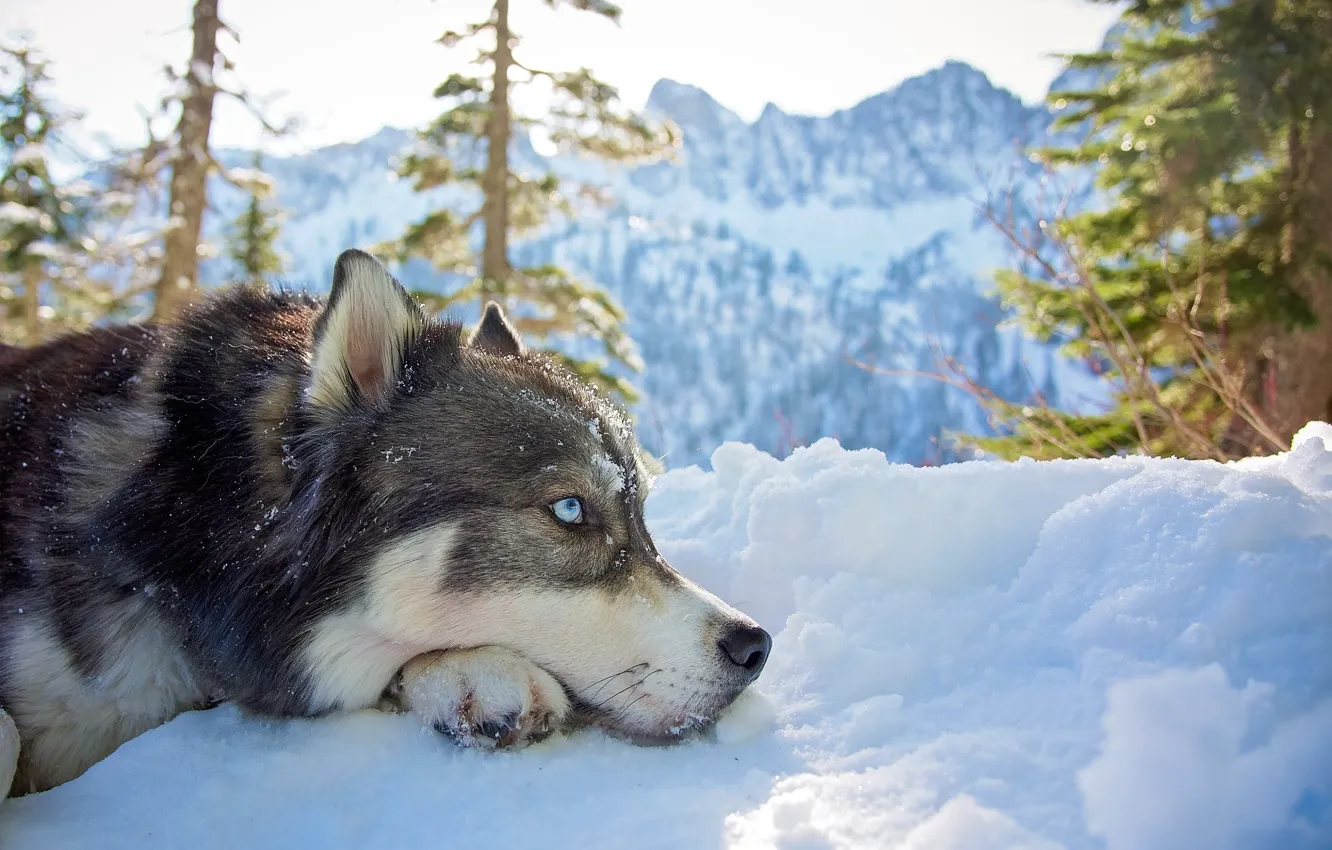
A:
362,335
495,335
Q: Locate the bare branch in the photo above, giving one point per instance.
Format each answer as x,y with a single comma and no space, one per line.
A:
535,72
958,379
258,111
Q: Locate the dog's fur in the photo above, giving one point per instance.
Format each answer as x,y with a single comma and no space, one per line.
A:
304,508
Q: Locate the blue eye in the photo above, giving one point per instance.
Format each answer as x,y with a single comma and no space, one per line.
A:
568,511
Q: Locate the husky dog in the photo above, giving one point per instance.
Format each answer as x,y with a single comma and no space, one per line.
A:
305,508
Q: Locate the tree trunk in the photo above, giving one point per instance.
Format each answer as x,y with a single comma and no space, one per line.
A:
253,218
32,304
1303,380
189,172
495,182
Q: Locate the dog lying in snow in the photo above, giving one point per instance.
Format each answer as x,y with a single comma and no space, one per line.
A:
306,508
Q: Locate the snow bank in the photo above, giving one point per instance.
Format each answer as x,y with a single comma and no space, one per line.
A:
1123,654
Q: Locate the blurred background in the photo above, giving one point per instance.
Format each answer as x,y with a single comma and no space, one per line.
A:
964,228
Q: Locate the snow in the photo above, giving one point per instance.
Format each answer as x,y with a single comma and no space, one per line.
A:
34,154
1124,654
251,178
12,213
47,250
829,236
203,72
1175,769
610,472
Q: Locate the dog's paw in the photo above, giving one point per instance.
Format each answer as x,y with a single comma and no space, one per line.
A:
486,697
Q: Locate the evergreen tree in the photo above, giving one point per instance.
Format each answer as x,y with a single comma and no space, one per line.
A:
34,217
49,249
253,243
469,145
180,164
1200,287
190,164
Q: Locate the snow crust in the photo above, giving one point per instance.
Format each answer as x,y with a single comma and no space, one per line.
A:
1125,654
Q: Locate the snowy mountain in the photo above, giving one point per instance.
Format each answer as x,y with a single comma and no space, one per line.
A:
763,259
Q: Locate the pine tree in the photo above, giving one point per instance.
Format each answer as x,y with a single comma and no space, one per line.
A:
184,160
253,243
34,218
190,166
469,145
49,247
1200,287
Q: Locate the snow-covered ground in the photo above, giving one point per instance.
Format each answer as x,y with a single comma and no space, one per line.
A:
1122,654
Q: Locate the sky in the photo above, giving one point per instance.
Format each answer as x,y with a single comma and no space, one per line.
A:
347,68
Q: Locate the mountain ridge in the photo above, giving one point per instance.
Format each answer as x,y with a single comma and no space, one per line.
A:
760,261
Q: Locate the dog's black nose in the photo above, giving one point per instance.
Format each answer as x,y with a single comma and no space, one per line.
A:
746,646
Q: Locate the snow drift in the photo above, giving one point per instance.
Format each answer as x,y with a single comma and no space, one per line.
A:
1126,653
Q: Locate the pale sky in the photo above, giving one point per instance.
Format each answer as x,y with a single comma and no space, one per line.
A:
349,67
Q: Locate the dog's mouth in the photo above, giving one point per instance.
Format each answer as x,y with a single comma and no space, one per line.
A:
675,730
626,716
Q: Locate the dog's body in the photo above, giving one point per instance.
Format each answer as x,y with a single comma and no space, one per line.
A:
305,508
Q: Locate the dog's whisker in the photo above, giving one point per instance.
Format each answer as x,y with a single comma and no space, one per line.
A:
617,693
608,679
604,682
601,682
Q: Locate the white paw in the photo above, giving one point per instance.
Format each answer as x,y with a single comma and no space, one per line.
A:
485,697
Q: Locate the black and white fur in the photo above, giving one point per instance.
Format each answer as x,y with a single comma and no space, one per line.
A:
305,508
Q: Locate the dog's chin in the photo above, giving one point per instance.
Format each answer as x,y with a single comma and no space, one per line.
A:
645,739
667,730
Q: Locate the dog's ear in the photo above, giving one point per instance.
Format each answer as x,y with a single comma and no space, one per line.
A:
362,336
495,334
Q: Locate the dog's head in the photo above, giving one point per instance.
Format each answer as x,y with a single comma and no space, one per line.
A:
509,499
